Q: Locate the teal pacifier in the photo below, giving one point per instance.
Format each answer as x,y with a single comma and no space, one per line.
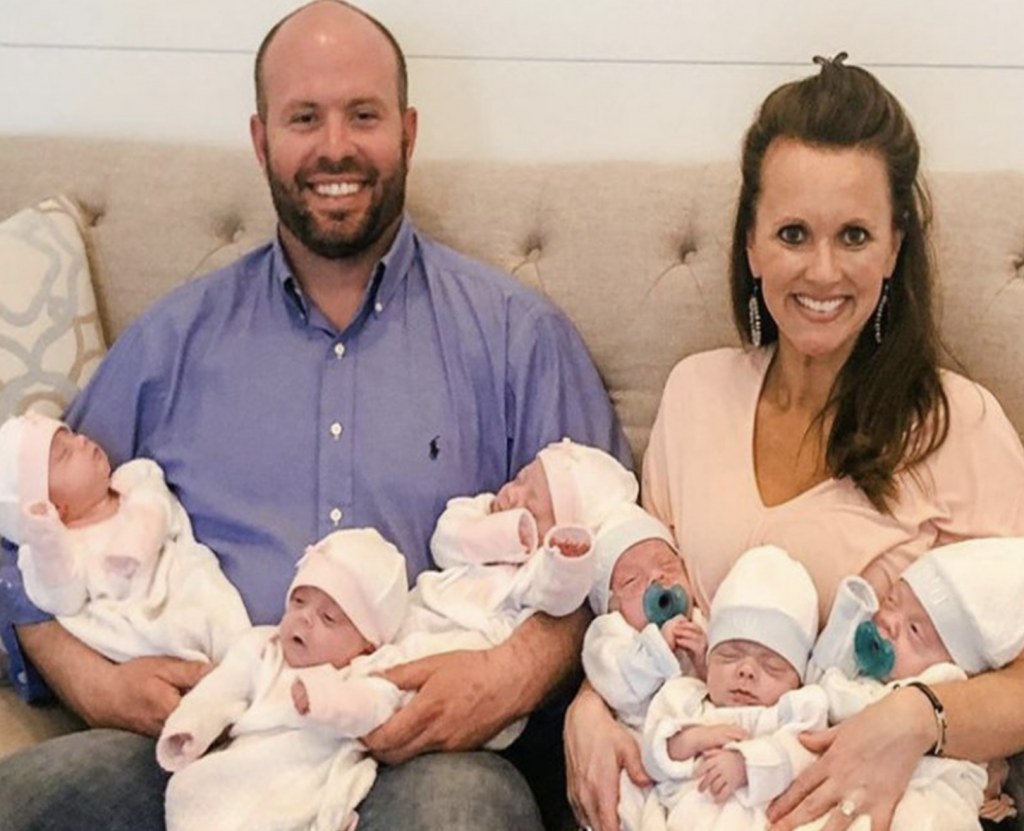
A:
662,603
874,654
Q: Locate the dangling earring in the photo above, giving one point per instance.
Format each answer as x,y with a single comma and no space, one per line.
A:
880,310
754,313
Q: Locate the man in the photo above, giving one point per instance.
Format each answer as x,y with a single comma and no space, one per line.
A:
353,373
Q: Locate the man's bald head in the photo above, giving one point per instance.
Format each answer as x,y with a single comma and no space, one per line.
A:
341,9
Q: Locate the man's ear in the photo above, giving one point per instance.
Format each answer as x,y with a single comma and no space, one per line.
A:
410,124
258,134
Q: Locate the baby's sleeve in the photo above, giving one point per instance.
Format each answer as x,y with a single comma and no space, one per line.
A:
775,758
468,533
52,574
625,666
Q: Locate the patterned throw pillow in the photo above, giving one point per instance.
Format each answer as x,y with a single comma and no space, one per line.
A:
50,336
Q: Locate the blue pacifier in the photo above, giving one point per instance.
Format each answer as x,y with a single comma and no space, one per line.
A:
874,654
662,603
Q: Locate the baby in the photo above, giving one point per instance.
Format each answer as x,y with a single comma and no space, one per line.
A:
279,769
646,630
953,613
506,556
525,549
111,554
720,751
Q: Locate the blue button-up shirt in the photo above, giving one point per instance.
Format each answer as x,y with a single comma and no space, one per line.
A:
274,428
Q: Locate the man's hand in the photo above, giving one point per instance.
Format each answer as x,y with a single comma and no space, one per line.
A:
462,699
684,635
137,695
721,773
143,692
697,739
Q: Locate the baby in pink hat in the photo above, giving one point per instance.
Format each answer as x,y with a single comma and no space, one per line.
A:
526,548
293,700
110,553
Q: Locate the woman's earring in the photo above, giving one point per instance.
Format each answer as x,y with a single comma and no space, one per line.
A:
754,312
883,301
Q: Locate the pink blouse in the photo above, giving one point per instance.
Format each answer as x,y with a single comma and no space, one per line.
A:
699,479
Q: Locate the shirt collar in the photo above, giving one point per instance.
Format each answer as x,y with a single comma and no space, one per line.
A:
388,275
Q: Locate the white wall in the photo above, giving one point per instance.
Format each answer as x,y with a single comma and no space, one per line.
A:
531,79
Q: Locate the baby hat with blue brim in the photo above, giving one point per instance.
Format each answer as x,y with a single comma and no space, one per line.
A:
973,593
364,574
768,598
24,467
585,483
625,526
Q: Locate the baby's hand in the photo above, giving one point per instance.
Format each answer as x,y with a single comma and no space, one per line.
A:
300,697
693,741
997,809
571,541
175,751
684,635
721,773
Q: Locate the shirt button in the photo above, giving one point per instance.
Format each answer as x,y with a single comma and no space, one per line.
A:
339,350
378,308
336,429
336,515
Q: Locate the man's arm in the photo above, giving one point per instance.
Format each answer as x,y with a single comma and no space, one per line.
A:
137,695
464,698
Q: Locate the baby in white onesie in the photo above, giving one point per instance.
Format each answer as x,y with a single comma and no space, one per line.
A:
506,556
646,630
293,700
720,751
110,553
953,613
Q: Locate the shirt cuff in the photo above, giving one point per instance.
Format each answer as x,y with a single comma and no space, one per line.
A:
17,610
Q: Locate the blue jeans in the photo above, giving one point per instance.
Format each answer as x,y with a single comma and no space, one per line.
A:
109,780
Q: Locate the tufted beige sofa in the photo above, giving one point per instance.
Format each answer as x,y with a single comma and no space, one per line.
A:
635,253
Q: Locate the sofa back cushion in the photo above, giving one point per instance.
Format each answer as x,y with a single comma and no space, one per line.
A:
636,253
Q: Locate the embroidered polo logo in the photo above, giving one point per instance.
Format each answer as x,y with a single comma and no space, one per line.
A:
435,448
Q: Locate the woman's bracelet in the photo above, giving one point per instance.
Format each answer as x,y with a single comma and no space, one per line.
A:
940,716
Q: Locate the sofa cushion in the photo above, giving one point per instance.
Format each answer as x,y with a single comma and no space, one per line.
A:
50,336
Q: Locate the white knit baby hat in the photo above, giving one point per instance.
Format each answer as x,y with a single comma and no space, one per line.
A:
585,483
364,574
24,467
626,525
768,598
974,593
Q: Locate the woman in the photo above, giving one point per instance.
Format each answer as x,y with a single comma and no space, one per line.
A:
836,437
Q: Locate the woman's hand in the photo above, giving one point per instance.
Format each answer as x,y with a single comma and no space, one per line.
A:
597,748
865,766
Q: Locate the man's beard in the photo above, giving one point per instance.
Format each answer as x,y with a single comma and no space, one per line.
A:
335,242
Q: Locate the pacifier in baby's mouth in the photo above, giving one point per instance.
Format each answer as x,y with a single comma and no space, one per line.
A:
662,603
874,654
